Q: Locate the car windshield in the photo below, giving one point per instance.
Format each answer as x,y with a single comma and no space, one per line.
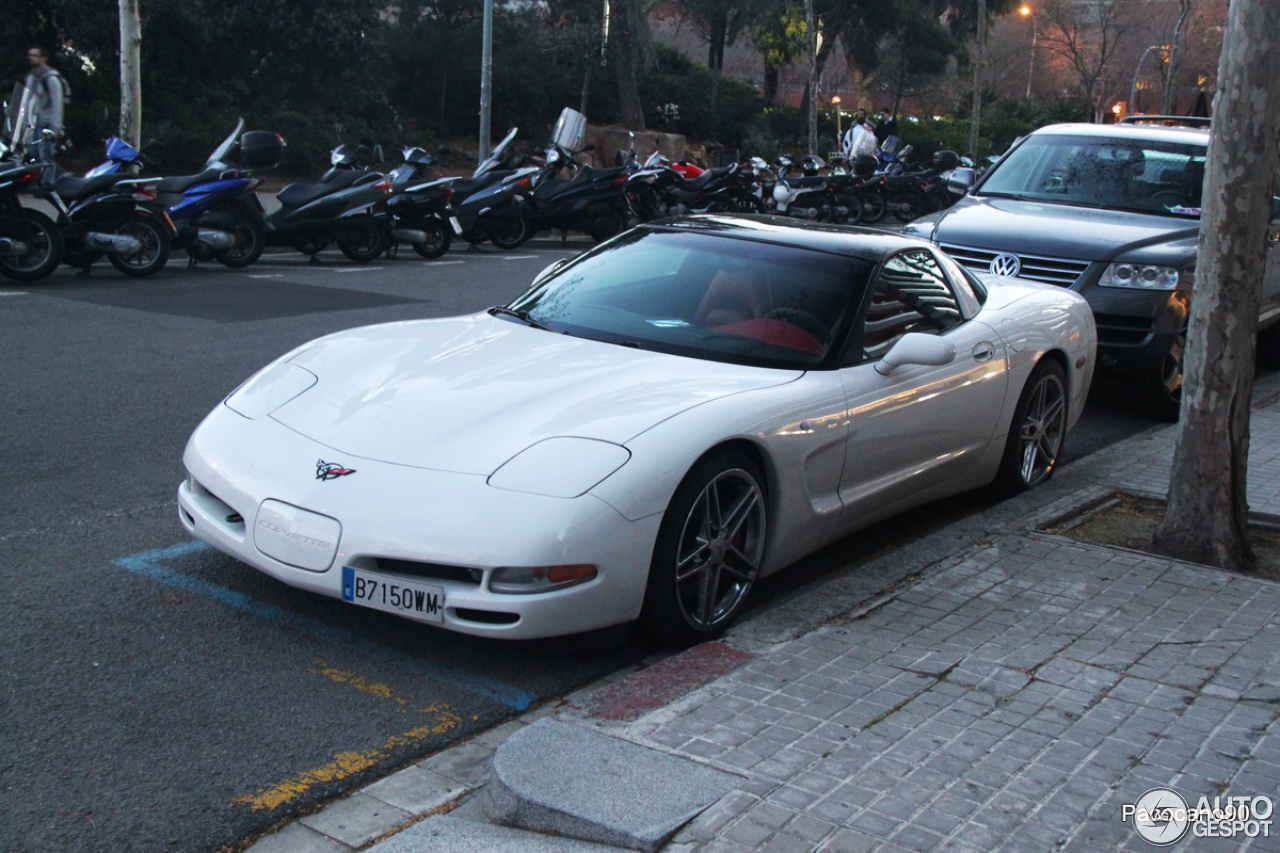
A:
704,296
1117,174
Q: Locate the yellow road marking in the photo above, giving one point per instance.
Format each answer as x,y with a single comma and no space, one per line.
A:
345,764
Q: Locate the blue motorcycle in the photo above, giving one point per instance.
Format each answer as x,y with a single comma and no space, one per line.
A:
214,212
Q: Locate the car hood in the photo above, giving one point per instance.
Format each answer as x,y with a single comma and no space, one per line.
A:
1055,230
465,394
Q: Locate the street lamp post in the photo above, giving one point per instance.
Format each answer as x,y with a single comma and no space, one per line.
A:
1027,11
486,78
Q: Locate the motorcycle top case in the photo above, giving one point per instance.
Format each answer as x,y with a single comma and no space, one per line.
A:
261,149
864,165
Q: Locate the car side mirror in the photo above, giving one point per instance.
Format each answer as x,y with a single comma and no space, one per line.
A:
549,270
961,181
917,348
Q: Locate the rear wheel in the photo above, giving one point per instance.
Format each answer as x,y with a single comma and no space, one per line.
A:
438,239
517,237
609,225
250,241
363,245
42,240
709,550
154,251
1037,431
908,206
873,207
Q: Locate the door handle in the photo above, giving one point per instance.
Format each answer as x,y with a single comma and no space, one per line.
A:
984,351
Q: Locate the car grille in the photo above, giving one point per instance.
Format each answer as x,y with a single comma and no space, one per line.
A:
1063,272
1123,329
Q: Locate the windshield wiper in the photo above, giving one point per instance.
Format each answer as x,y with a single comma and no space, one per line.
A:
522,316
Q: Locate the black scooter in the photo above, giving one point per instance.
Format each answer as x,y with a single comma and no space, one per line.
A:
30,243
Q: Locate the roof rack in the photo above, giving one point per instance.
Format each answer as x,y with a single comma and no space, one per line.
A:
1189,121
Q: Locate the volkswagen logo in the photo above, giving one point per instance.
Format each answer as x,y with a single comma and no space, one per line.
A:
1006,264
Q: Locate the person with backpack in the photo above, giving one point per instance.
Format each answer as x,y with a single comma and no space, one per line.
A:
51,94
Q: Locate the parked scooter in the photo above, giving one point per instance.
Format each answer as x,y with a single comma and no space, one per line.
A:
492,205
30,243
106,212
592,200
419,206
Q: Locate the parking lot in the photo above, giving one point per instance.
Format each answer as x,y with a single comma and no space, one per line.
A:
162,696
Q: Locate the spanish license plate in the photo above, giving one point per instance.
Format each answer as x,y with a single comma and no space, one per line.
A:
394,595
457,226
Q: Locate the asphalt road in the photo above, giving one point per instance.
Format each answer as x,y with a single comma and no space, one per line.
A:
160,696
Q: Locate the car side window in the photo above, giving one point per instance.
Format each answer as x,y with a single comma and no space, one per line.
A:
911,295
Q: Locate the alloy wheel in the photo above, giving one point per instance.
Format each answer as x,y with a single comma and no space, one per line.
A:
1043,429
719,550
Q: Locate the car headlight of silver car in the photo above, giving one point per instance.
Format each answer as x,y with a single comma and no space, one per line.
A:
1139,276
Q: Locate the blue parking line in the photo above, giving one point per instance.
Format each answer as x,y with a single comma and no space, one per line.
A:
151,564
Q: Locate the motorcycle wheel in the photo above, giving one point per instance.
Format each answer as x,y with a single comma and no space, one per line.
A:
913,206
363,245
250,241
155,247
45,239
518,239
873,208
438,239
721,205
609,226
854,205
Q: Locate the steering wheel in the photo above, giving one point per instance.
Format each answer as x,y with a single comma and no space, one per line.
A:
802,319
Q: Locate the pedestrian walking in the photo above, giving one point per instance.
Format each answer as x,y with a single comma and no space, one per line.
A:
860,139
49,91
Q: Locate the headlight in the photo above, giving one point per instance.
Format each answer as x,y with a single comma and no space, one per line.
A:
270,389
560,467
1139,276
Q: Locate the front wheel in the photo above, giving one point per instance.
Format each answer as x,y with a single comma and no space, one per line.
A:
517,237
250,241
709,550
437,242
154,251
873,207
1037,431
42,242
1160,389
363,245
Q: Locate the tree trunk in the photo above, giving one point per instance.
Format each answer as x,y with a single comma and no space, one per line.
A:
975,114
772,77
1207,515
715,56
1170,67
130,73
627,17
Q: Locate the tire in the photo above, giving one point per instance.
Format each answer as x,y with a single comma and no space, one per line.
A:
155,247
250,241
44,239
873,208
914,202
854,205
438,239
363,245
617,223
524,233
717,556
1160,389
719,204
1037,431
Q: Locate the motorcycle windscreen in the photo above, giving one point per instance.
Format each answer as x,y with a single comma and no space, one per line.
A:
496,157
569,129
19,117
218,159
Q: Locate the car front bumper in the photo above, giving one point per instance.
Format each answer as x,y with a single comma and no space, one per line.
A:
393,512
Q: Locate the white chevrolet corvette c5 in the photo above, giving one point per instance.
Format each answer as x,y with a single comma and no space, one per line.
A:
646,432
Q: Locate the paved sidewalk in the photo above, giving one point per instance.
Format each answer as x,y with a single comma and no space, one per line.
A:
1011,691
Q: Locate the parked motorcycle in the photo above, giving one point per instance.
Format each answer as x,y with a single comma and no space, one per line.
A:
491,205
419,206
31,245
107,212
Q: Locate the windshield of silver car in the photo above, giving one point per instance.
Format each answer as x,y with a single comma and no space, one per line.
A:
1116,174
704,296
